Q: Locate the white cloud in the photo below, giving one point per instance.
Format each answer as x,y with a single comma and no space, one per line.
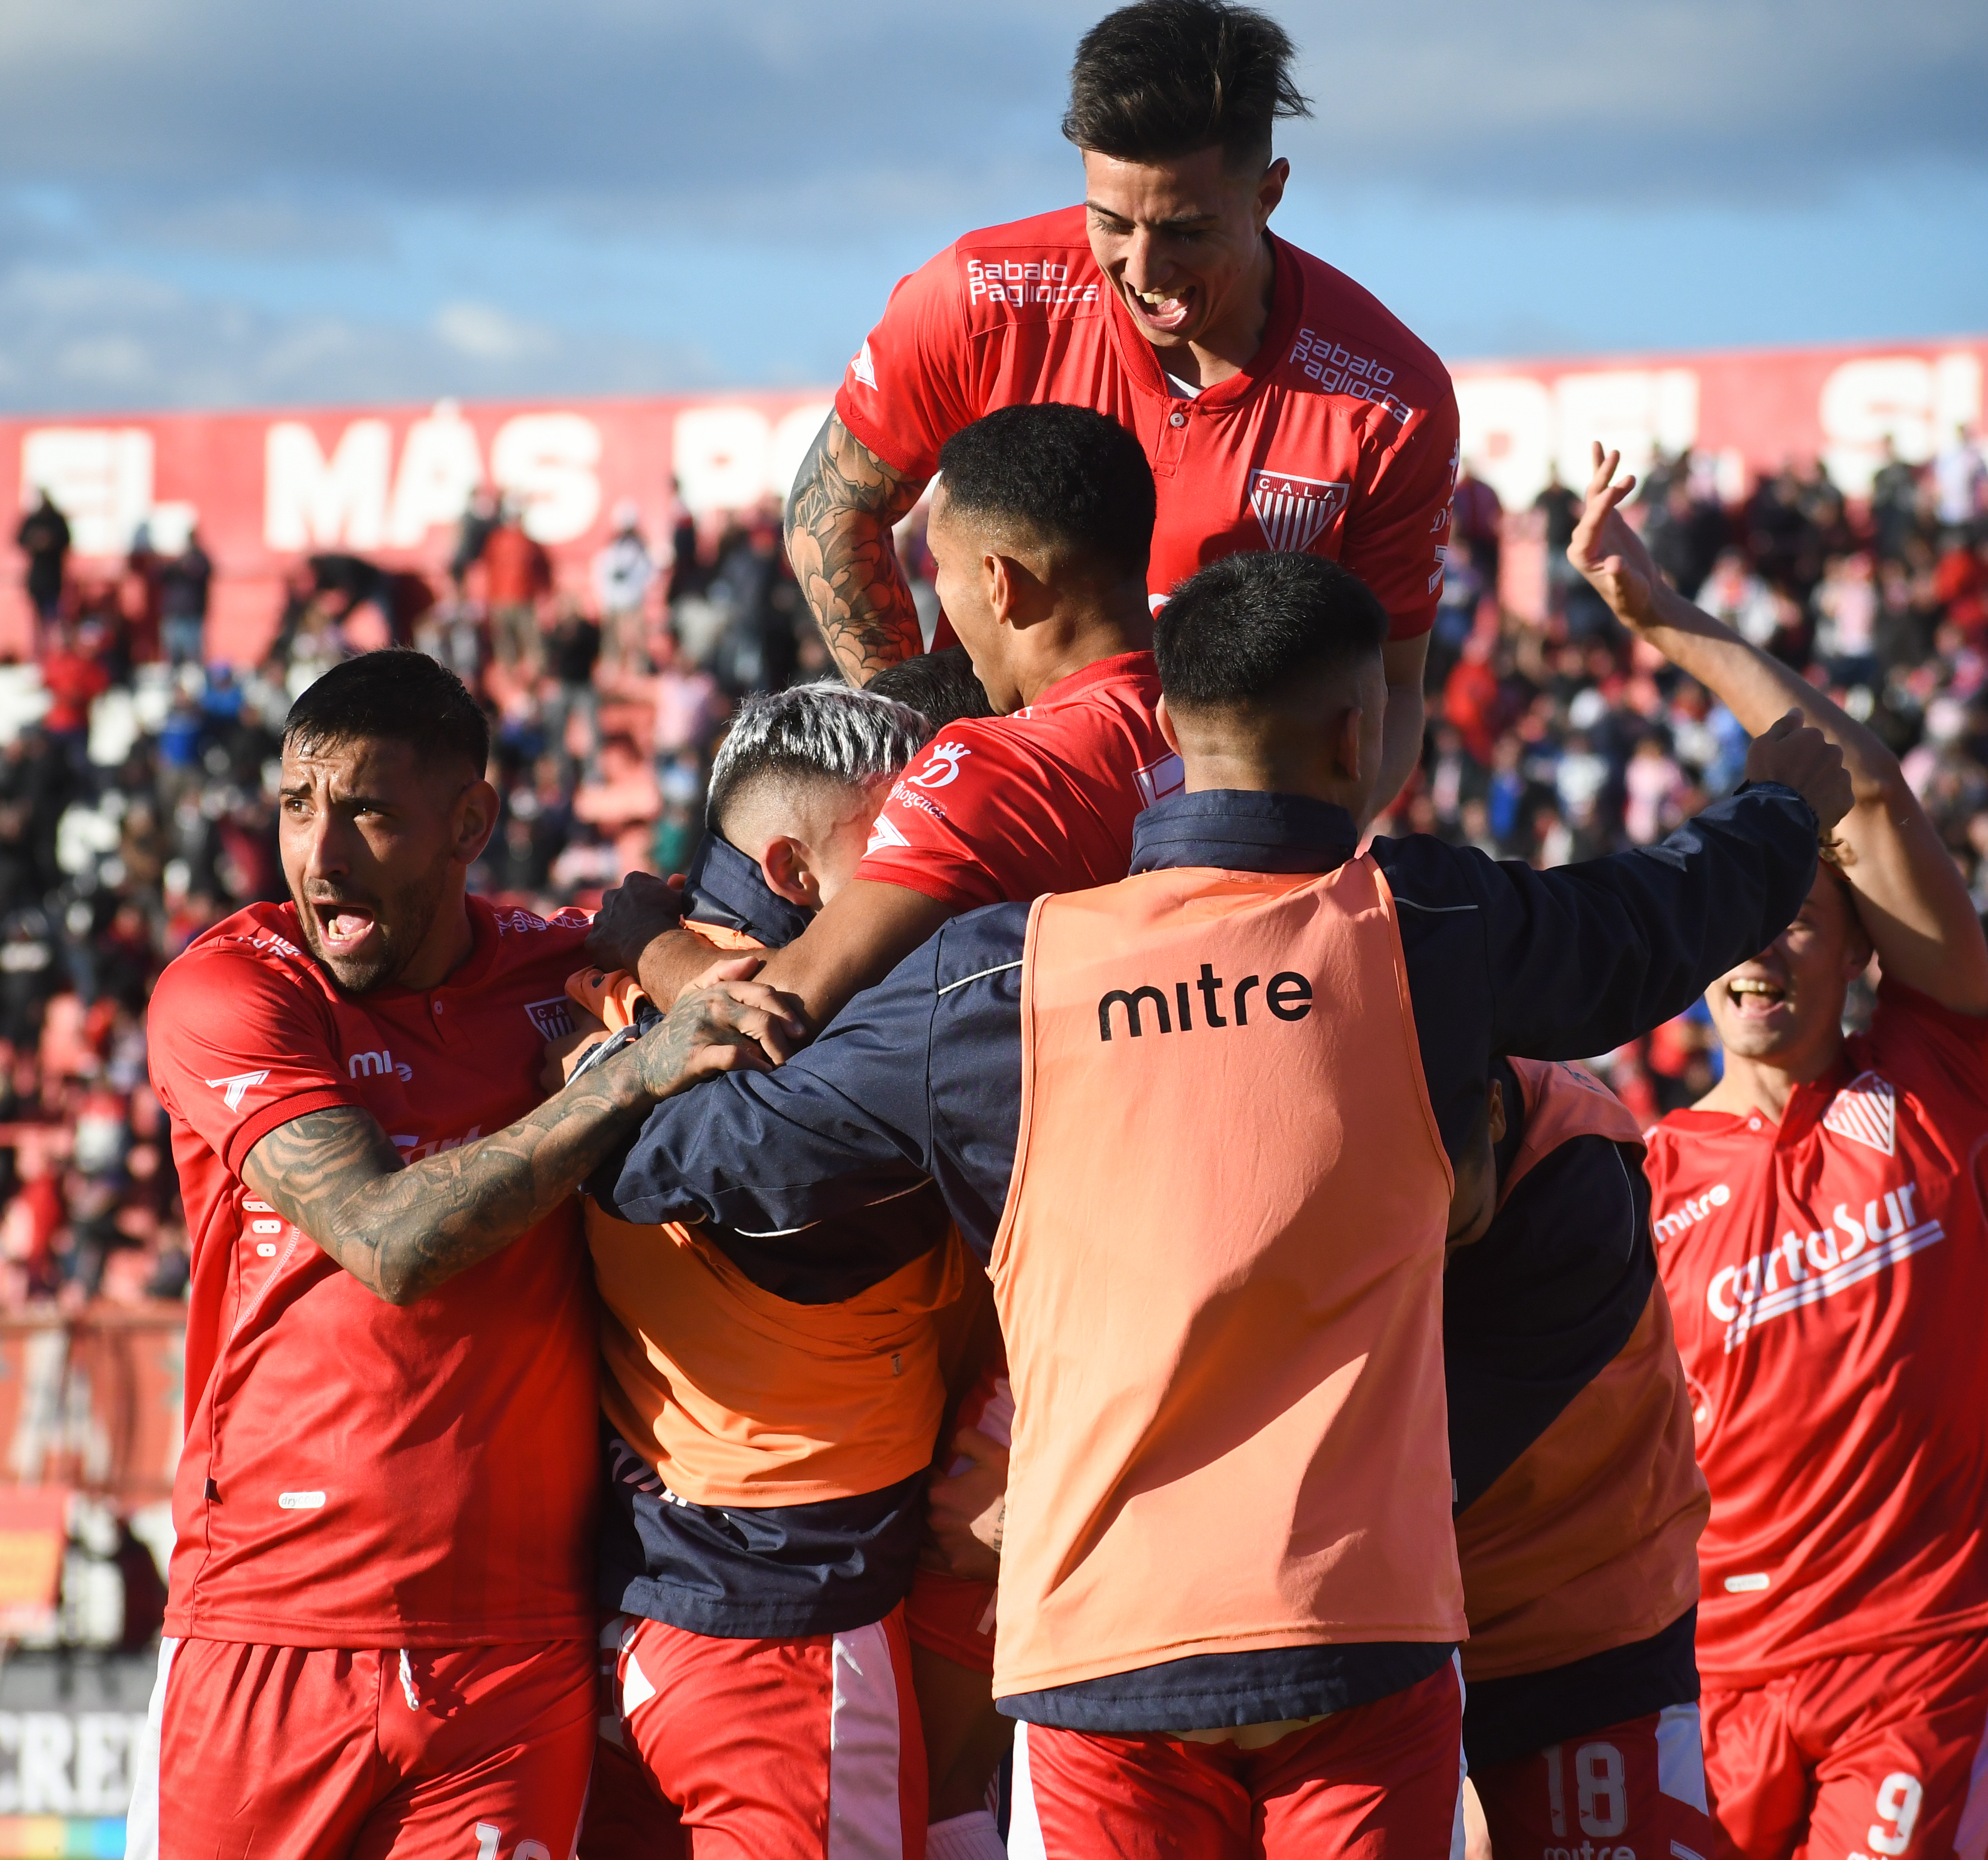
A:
486,333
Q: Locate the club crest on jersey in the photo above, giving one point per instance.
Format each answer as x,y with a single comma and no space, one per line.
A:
553,1019
1866,1111
865,366
1294,511
233,1090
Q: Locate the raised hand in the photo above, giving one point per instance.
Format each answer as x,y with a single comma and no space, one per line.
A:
1608,553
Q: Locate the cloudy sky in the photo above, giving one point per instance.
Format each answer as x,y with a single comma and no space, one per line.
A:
215,202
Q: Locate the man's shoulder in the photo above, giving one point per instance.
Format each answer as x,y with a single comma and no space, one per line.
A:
522,935
980,945
1035,270
258,946
1348,342
1426,874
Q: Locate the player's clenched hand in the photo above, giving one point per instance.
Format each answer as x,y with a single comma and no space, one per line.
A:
632,915
967,1511
1800,757
1608,551
723,1022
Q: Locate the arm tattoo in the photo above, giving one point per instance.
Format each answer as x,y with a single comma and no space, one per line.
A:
403,1231
840,516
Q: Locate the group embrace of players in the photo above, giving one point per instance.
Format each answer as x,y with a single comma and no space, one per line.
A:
1042,1256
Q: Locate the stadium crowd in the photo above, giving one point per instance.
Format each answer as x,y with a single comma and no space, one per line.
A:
137,808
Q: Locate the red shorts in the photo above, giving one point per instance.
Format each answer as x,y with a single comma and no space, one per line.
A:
952,1616
460,1752
1885,1754
1641,1785
773,1750
1380,1782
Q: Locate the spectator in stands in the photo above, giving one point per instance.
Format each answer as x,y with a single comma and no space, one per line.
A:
517,576
622,572
1960,479
471,535
184,582
1477,518
44,538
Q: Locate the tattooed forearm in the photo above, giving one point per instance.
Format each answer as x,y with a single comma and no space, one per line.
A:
840,516
401,1232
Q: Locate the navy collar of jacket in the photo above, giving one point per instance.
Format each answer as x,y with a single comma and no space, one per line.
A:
1239,829
725,887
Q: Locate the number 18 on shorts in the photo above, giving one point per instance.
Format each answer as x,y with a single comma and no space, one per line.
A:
1633,1791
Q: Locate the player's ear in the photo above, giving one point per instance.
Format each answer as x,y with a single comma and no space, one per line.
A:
1004,586
784,866
1270,190
475,819
1165,718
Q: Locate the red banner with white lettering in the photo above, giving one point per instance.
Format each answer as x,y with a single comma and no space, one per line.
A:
268,488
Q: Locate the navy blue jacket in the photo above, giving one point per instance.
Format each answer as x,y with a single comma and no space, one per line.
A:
921,1076
748,1572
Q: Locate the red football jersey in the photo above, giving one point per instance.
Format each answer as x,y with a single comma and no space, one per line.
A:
1005,808
355,1474
1339,437
1828,1278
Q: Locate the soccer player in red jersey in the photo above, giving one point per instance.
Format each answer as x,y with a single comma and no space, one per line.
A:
380,1624
1040,530
1282,406
1820,1228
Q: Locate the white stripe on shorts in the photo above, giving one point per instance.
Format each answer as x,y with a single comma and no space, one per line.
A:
865,1812
1024,1824
1681,1756
141,1822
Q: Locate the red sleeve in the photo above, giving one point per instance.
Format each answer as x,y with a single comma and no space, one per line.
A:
1912,1036
951,830
906,391
237,1048
1399,529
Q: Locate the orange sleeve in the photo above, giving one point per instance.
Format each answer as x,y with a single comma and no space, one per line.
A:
609,994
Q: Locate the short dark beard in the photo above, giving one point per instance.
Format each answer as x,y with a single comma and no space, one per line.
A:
413,910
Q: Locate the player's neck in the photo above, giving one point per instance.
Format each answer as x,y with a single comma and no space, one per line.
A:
1752,1085
1228,348
448,944
1076,638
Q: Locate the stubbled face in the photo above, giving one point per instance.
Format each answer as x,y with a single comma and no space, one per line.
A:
1180,240
370,838
958,552
1785,1006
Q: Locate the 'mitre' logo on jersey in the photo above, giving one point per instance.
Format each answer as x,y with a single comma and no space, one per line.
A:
1294,511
